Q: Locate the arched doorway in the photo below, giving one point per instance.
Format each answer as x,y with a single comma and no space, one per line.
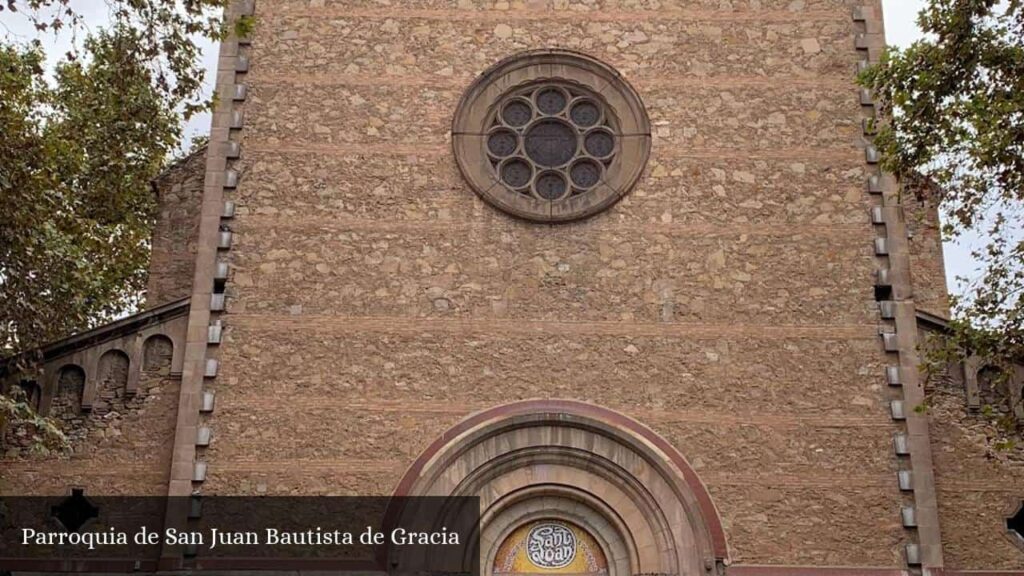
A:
566,485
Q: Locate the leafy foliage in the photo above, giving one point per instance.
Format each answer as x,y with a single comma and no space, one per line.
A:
954,104
164,33
75,178
77,154
46,434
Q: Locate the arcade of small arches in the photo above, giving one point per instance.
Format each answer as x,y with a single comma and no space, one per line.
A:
567,487
89,380
102,368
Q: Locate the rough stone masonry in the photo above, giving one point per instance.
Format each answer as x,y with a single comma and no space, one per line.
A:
728,302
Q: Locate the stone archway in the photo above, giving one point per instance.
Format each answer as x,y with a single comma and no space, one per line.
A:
597,473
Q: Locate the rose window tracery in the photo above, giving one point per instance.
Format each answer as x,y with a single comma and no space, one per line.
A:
551,136
551,141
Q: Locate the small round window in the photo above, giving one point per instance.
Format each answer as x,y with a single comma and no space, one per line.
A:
565,140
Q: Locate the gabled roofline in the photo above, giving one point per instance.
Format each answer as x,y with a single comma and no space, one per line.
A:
933,320
115,329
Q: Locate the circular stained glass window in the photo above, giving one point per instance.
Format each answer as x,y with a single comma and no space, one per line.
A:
502,143
550,143
516,113
559,136
551,148
516,173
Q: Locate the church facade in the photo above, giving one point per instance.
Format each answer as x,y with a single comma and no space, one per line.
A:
628,270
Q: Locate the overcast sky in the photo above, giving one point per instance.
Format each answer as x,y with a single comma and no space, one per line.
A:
901,30
900,24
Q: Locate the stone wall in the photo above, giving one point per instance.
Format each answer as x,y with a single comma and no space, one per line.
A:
179,195
120,447
980,483
979,475
928,264
727,301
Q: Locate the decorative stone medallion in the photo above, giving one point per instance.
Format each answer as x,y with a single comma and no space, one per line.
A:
551,136
551,545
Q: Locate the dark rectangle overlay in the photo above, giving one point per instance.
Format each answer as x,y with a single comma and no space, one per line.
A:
211,534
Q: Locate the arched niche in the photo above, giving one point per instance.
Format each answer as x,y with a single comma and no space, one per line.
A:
112,380
569,463
67,398
157,352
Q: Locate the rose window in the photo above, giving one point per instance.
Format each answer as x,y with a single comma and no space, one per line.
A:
551,136
551,141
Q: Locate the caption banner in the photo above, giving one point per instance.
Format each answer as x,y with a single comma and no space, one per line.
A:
79,533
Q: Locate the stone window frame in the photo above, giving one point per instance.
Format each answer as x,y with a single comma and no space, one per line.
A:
478,108
1014,506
